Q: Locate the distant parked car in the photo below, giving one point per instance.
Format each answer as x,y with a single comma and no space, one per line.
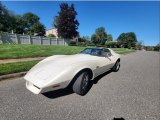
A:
59,71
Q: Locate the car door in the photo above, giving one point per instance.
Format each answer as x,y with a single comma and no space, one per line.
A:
104,64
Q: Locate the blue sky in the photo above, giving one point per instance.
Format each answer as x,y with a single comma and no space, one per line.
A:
143,18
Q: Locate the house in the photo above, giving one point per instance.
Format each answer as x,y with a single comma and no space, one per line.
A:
52,31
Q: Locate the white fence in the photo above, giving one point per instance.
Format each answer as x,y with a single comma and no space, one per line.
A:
27,39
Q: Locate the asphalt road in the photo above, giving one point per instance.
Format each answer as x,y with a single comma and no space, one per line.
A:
132,93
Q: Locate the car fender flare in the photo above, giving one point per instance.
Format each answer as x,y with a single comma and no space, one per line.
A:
78,71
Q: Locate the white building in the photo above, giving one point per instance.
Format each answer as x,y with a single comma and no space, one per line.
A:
52,31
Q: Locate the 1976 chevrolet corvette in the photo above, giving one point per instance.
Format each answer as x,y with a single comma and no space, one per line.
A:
60,71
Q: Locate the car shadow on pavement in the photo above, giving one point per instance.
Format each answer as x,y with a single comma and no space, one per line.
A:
95,81
118,118
68,91
58,93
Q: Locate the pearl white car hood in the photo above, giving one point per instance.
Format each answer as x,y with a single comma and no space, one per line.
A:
54,66
59,63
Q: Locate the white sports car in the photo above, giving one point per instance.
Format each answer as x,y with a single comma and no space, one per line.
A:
59,71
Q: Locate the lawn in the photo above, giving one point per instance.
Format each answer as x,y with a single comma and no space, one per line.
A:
8,51
22,51
123,50
9,68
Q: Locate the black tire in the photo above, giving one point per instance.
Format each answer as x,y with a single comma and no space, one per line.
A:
116,66
80,86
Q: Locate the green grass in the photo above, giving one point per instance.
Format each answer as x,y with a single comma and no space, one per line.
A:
123,50
8,51
21,51
9,68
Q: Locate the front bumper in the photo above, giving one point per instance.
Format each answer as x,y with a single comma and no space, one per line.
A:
33,88
37,90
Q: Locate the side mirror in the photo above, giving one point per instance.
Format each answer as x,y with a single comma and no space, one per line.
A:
104,54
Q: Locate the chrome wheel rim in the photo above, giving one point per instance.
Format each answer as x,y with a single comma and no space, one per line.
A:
117,65
85,81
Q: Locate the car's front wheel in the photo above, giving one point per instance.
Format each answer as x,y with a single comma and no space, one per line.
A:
116,66
81,84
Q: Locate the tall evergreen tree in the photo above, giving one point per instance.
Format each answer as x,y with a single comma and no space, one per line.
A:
66,22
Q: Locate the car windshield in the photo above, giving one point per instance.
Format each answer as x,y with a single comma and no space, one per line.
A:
93,51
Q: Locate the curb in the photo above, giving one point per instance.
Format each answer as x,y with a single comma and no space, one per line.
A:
14,75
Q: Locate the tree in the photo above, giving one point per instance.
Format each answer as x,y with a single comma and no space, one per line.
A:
38,29
94,39
28,23
66,22
82,41
157,47
18,24
122,39
32,24
6,19
127,40
10,21
139,45
131,39
101,34
109,37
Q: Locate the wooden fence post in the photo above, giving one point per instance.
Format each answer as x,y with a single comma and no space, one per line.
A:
77,41
17,39
30,39
57,41
1,38
50,41
41,40
63,42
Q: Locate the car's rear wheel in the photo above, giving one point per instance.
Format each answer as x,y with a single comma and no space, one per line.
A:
116,66
80,86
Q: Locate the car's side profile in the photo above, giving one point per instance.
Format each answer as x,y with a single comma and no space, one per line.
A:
61,71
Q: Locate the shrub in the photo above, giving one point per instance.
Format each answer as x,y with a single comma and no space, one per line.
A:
157,48
51,35
149,48
111,44
72,43
91,44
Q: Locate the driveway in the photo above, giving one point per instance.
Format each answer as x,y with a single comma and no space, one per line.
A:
132,93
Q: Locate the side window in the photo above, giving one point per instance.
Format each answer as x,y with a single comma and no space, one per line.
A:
97,52
107,51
